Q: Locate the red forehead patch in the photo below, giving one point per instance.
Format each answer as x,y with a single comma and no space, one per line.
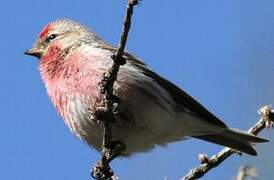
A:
45,31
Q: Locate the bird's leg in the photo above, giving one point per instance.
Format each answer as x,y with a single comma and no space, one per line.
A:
117,148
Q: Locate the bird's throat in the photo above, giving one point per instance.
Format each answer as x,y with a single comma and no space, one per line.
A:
52,63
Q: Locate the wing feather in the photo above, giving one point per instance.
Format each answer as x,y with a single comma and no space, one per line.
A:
185,101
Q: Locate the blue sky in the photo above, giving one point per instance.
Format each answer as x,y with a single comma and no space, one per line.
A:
221,52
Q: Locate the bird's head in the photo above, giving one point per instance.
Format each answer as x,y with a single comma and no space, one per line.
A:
63,35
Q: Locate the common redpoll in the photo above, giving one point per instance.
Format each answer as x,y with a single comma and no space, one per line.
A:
152,111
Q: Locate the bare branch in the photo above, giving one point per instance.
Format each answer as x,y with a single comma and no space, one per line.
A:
105,111
266,121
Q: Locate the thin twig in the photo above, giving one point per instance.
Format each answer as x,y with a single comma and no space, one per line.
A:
105,111
266,121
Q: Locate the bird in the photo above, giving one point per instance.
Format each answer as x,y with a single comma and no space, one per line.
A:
152,111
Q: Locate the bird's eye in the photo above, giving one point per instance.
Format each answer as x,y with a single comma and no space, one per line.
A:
51,37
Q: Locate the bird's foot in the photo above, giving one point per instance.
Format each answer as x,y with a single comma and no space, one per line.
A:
117,147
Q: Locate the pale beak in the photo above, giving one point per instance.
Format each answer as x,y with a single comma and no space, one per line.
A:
34,52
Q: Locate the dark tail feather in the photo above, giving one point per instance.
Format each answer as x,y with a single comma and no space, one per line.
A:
234,139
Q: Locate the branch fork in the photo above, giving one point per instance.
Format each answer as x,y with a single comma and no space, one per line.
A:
266,121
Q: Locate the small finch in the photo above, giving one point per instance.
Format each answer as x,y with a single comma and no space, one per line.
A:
152,111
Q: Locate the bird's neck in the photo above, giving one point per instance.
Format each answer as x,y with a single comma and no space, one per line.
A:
79,71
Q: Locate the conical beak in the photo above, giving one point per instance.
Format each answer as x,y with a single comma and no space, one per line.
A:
34,52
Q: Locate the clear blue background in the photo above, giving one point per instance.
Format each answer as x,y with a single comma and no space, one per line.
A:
220,51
